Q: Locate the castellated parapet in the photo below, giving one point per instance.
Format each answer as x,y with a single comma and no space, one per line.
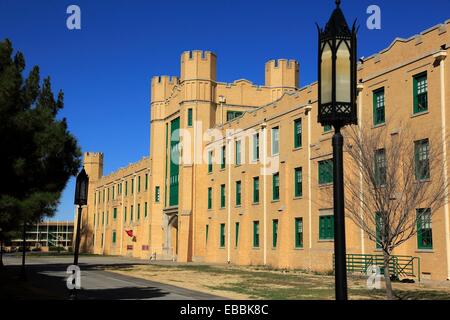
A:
198,65
282,73
93,164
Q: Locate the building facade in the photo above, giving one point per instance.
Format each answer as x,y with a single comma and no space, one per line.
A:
239,173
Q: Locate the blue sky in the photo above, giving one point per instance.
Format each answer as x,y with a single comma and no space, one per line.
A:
105,68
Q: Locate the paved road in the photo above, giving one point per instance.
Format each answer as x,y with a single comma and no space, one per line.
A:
50,274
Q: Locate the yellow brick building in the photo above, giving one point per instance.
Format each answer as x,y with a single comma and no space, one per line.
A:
263,205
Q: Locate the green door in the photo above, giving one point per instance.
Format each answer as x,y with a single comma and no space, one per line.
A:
174,161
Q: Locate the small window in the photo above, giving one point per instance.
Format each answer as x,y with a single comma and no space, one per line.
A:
222,196
274,233
297,133
157,194
380,167
115,213
233,114
209,198
275,141
238,193
298,233
298,183
378,107
222,235
327,128
256,147
326,227
276,187
256,190
325,172
114,236
424,229
256,234
420,84
189,121
422,159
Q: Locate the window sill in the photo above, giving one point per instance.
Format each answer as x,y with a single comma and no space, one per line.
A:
238,206
274,248
297,148
275,201
418,114
325,185
255,248
299,249
255,204
425,250
298,198
326,240
379,125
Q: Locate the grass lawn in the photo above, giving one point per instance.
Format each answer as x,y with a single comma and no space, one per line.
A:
239,282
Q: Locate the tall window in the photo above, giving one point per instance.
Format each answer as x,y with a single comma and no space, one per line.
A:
256,234
276,187
378,107
274,233
380,167
209,198
238,152
113,194
256,147
132,186
157,194
125,214
222,196
131,213
275,141
422,159
298,133
146,181
222,235
420,87
210,160
256,190
325,172
222,157
139,184
424,229
238,193
114,236
189,120
207,232
298,233
236,240
115,213
139,212
145,210
326,227
298,182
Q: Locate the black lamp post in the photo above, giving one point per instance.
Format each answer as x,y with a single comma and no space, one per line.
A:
337,107
81,195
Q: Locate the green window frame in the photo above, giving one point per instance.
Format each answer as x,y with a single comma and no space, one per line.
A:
380,167
139,211
108,194
326,227
146,181
189,117
275,135
256,147
379,116
256,234
424,229
210,162
420,87
126,187
222,196
115,213
274,233
238,152
222,235
131,213
104,198
327,128
238,193
132,186
113,194
233,115
422,159
297,133
378,229
124,214
298,226
206,233
325,172
276,186
298,182
255,189
236,234
114,236
145,210
139,184
222,157
157,194
209,198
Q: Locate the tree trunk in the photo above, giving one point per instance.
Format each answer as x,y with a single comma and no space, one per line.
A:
387,277
23,275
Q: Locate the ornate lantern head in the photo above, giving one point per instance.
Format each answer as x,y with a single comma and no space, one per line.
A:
81,188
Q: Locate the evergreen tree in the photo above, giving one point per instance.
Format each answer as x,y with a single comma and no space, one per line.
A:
38,152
